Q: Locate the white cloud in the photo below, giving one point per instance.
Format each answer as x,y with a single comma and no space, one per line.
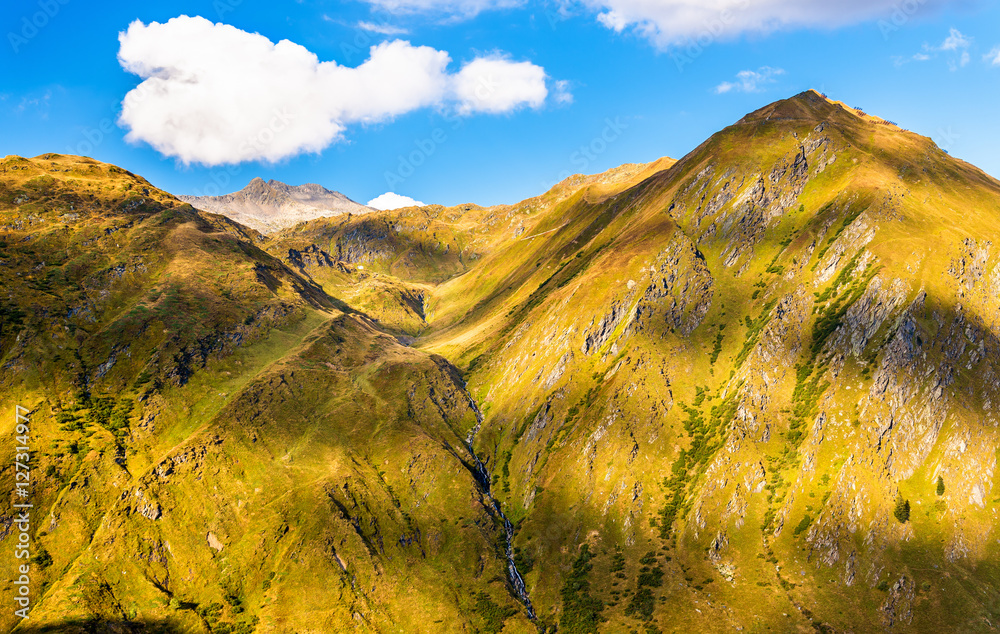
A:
955,47
36,103
670,23
390,200
382,29
214,94
494,85
562,92
750,80
454,9
993,57
955,41
958,45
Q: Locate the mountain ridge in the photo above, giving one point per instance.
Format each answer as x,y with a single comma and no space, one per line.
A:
751,389
272,205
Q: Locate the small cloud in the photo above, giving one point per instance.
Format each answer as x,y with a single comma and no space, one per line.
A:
36,103
750,80
955,41
956,46
562,93
613,20
993,57
389,200
382,29
451,10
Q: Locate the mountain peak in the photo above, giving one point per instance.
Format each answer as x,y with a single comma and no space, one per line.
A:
272,205
809,105
812,105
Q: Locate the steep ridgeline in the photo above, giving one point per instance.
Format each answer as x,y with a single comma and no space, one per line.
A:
271,206
751,390
755,391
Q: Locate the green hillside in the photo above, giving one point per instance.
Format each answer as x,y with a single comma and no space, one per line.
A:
752,389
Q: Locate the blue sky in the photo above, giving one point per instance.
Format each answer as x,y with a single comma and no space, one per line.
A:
583,86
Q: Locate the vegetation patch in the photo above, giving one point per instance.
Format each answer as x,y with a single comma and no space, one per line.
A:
491,615
581,613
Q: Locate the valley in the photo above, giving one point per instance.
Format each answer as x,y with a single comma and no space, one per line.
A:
752,389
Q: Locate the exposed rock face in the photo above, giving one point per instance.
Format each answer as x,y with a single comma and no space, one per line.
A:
679,290
311,256
271,206
898,606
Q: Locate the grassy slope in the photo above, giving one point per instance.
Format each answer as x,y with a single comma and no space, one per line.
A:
183,382
704,384
610,428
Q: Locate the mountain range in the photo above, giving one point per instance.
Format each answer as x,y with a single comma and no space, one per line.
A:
271,206
752,389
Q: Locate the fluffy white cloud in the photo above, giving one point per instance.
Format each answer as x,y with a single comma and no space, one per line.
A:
389,200
993,57
495,85
750,80
214,94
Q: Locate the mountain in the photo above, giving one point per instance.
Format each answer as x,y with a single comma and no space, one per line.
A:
273,205
753,389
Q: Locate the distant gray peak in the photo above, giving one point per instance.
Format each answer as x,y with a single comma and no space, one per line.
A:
270,206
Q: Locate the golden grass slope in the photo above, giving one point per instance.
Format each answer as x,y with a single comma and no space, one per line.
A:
753,389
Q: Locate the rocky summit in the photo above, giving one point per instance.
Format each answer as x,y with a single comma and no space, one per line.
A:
271,206
753,389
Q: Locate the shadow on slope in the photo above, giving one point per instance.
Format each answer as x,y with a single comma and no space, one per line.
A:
100,626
